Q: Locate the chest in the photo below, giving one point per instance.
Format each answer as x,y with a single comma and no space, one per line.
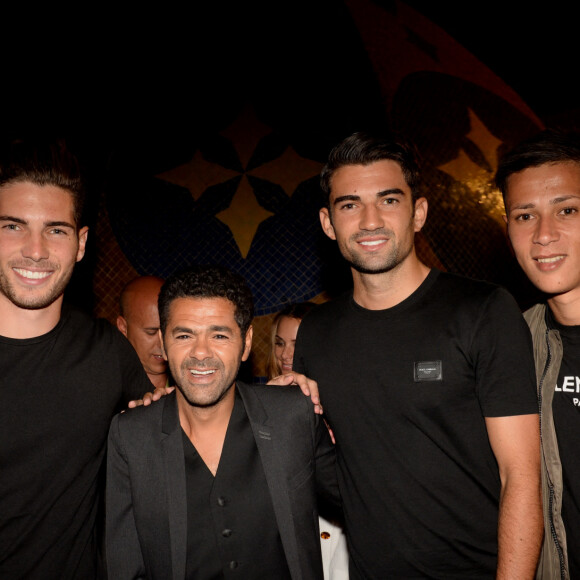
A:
416,363
59,389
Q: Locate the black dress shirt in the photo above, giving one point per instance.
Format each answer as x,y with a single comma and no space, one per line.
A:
232,531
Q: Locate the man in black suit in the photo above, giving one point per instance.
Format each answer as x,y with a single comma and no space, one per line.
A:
218,478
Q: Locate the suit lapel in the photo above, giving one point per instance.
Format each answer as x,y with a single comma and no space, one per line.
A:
174,466
270,450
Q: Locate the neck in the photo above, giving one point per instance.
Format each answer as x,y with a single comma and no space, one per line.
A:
387,289
17,322
566,308
206,427
205,419
158,380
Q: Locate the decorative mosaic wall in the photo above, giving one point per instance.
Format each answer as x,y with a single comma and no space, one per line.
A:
243,190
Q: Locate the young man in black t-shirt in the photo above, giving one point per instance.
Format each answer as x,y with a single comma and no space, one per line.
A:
63,376
540,182
427,381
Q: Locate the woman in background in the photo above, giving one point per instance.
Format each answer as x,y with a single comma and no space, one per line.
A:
282,342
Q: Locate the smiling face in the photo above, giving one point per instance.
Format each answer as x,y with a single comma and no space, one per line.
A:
372,216
285,342
39,244
543,220
204,348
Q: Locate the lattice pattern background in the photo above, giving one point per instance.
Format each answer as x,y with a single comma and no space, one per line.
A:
244,191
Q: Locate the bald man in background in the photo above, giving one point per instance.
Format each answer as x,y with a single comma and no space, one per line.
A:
139,322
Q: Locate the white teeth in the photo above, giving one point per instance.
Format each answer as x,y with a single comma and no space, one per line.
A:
194,372
32,275
550,260
373,243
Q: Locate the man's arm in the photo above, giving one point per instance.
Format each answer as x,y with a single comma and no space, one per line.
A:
123,550
515,442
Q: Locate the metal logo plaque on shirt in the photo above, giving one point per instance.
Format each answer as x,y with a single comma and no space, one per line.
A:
428,371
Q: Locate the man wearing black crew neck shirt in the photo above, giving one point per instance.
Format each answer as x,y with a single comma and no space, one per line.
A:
63,375
427,381
540,182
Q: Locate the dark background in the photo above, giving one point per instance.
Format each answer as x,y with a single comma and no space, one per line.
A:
534,49
107,73
141,89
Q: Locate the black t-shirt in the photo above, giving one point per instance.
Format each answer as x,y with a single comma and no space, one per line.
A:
406,391
58,393
566,410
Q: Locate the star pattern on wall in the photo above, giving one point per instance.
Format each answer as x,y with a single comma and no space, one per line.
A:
478,176
244,214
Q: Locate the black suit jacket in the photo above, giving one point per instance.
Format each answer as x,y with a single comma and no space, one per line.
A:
146,512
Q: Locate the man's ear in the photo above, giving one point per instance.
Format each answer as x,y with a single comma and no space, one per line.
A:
163,353
420,217
248,343
83,233
326,223
122,325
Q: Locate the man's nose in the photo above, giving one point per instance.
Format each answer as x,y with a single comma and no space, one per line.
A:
371,218
545,231
200,348
35,247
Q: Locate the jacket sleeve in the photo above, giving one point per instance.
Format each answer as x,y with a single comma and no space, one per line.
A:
123,549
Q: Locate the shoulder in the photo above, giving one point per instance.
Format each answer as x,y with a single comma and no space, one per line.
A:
82,325
467,287
535,315
461,291
274,397
271,392
327,312
140,420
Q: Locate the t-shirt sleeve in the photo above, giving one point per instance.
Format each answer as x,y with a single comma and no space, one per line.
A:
504,360
301,348
135,382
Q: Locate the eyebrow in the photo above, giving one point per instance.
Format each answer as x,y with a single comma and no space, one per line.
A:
555,201
61,224
383,193
214,328
9,218
563,199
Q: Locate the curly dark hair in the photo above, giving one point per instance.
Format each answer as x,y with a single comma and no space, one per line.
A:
208,282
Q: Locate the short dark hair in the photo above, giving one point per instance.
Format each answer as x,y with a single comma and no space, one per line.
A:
363,149
547,146
44,163
208,282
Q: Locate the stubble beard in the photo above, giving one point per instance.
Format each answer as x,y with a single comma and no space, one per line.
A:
35,301
392,260
188,393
